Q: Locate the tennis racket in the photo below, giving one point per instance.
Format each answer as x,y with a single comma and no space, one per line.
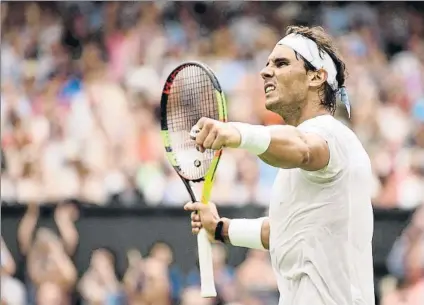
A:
191,92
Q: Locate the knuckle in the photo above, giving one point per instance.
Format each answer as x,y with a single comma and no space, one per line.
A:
219,141
217,131
201,121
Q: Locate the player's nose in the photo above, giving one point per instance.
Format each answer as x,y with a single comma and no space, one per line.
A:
267,73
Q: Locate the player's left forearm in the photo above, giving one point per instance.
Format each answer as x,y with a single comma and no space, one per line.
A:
264,231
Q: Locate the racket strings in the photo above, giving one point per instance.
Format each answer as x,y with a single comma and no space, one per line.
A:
192,96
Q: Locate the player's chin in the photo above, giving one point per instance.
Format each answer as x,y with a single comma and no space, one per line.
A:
271,103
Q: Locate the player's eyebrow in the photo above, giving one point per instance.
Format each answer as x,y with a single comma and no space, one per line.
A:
282,60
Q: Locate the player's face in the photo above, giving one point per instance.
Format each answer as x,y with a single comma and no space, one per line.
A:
285,80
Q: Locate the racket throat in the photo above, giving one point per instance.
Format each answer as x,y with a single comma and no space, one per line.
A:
190,190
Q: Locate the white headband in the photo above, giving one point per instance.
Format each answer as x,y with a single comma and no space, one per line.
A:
309,50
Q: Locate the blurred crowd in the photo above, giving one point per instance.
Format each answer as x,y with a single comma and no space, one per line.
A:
45,270
81,85
80,91
50,276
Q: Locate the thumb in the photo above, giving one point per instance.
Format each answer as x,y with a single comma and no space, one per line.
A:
193,206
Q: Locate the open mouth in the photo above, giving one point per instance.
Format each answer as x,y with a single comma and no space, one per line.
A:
269,88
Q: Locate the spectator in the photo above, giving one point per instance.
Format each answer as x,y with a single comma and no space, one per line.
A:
256,279
100,283
7,186
147,280
163,252
406,263
191,296
49,293
48,255
134,278
12,290
248,189
157,287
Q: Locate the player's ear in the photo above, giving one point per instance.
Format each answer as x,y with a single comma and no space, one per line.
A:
317,78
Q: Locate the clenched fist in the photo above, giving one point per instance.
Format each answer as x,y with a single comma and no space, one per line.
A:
213,134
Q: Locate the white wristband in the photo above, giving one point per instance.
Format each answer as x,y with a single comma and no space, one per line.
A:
254,138
246,233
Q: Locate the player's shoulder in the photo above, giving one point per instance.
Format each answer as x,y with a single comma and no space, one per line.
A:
345,147
326,120
333,130
327,125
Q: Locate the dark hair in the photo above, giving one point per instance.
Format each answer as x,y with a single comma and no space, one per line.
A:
324,42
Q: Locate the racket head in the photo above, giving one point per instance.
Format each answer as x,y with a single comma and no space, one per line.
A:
191,92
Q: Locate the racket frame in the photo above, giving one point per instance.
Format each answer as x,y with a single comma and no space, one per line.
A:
204,245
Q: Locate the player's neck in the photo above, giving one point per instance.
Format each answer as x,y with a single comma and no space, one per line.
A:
311,109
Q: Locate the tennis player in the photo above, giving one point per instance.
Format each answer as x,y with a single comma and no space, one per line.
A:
320,222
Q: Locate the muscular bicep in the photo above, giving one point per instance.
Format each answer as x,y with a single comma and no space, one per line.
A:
318,152
326,147
291,147
327,157
265,230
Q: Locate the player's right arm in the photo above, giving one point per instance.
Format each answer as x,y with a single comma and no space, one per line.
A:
248,233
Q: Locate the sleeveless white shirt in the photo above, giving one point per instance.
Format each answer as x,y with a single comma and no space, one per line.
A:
321,224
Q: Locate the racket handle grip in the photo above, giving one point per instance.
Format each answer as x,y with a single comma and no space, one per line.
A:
207,282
